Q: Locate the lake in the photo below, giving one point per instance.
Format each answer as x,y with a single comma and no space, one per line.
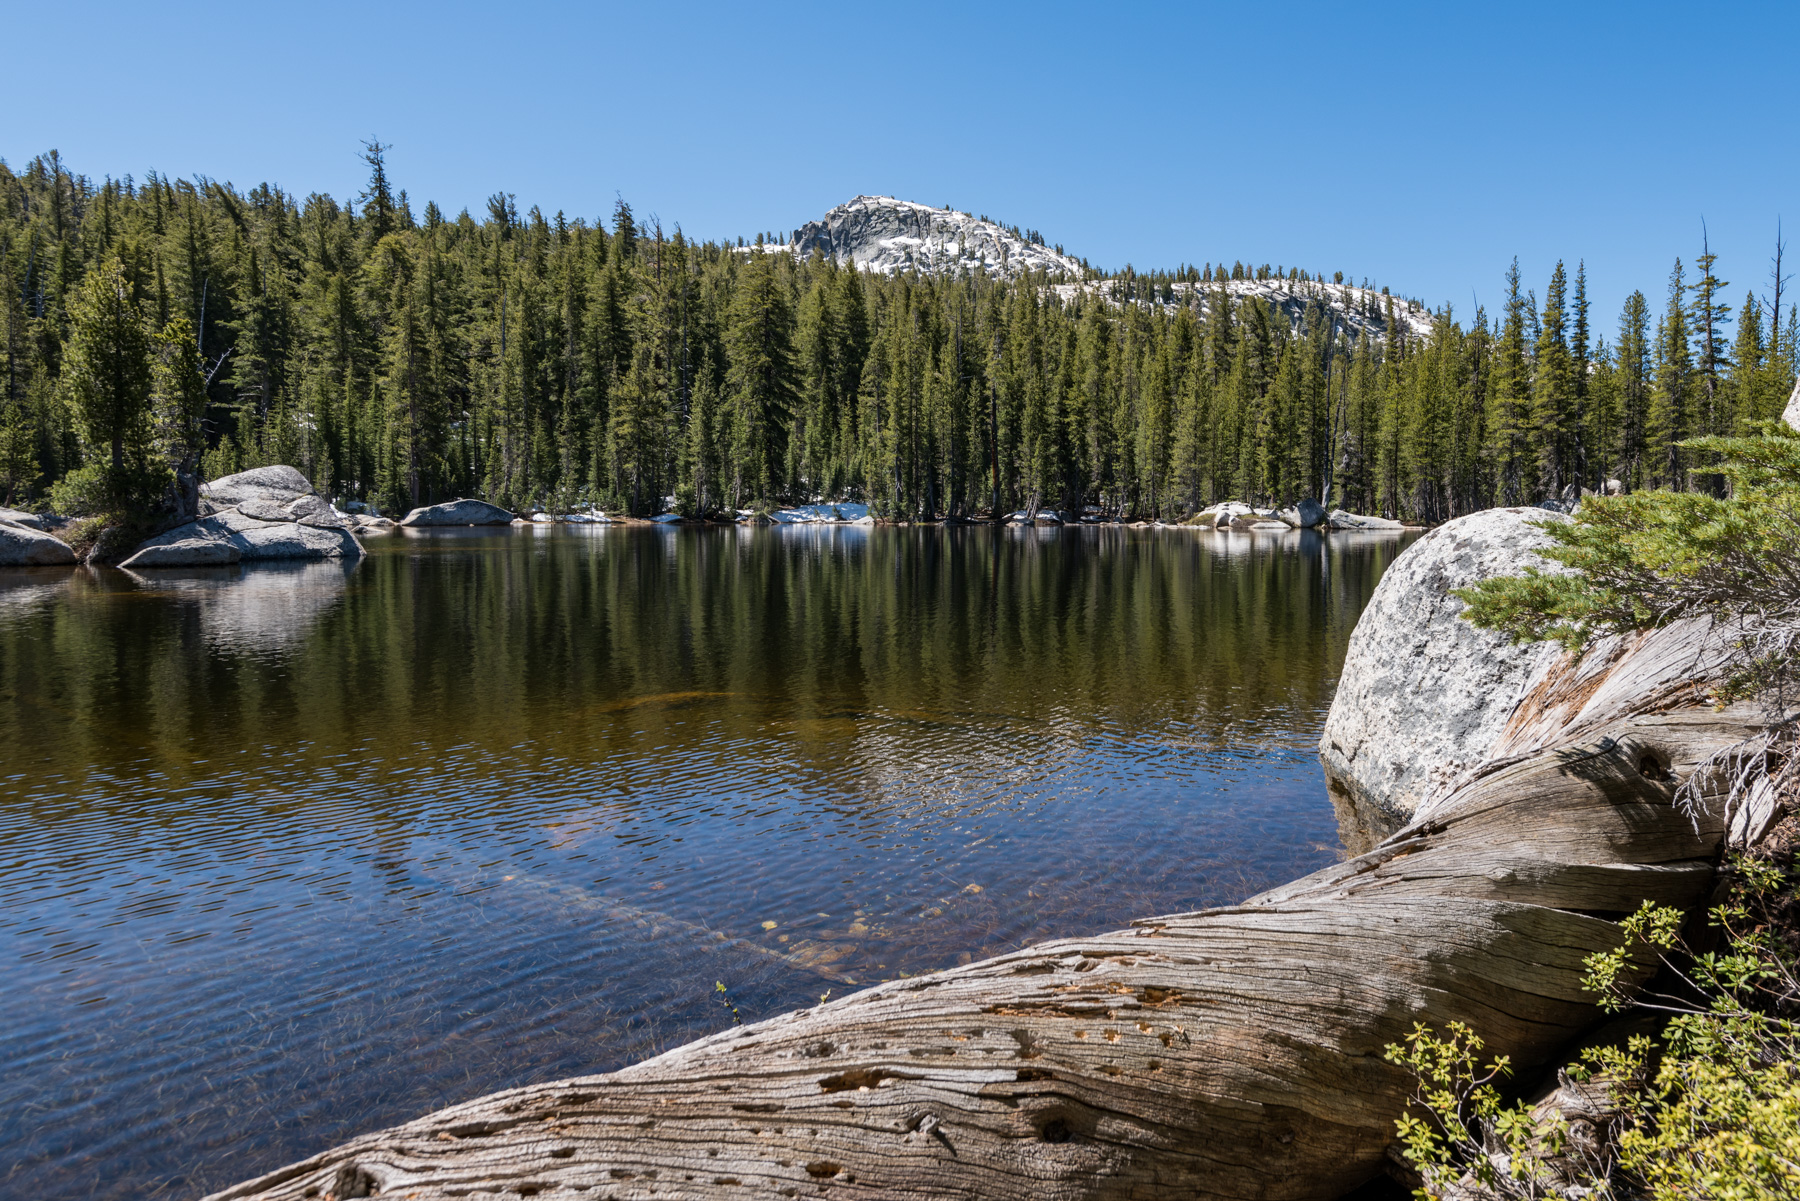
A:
292,853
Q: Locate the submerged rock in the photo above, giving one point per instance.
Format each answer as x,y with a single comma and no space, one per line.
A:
1424,695
24,547
458,512
1340,520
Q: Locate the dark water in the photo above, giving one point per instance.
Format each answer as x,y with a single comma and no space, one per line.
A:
290,854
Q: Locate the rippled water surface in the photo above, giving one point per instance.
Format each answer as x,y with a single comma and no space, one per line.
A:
287,854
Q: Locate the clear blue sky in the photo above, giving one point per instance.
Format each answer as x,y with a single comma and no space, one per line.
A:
1420,145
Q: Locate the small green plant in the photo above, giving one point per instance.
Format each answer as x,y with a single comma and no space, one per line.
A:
725,1000
1709,1110
1467,1131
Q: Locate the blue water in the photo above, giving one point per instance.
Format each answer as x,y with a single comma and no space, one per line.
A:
288,854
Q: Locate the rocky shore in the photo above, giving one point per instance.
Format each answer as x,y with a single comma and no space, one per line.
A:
273,513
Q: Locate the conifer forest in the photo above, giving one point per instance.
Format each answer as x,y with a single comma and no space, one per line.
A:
163,328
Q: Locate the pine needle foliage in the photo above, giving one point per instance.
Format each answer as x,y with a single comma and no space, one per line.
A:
1651,558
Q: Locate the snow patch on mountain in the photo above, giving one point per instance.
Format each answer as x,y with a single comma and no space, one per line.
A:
1357,309
880,233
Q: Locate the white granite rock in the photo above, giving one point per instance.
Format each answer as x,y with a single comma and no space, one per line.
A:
1340,520
458,512
31,521
256,540
23,547
1306,515
188,552
279,484
1424,694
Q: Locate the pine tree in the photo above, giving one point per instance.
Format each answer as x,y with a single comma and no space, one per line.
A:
762,383
1634,387
1586,457
19,469
1509,425
1746,387
1778,282
378,197
180,409
697,493
1671,406
1553,393
1711,410
818,421
106,381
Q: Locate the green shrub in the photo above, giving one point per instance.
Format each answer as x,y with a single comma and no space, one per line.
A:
1709,1110
134,494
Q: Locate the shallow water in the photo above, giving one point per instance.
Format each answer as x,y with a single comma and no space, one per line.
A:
287,854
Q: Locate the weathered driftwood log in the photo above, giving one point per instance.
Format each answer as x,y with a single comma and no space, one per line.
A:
1232,1052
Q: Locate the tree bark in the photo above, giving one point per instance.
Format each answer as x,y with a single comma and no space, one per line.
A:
1228,1053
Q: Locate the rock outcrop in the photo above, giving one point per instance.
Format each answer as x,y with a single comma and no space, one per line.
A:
1424,695
458,512
21,546
30,521
879,233
185,552
255,540
1233,514
889,236
1308,514
1337,519
306,509
278,485
262,515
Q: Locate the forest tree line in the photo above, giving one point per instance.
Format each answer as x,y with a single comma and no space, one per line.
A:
165,329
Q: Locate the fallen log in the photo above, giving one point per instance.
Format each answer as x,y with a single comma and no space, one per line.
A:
1227,1053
